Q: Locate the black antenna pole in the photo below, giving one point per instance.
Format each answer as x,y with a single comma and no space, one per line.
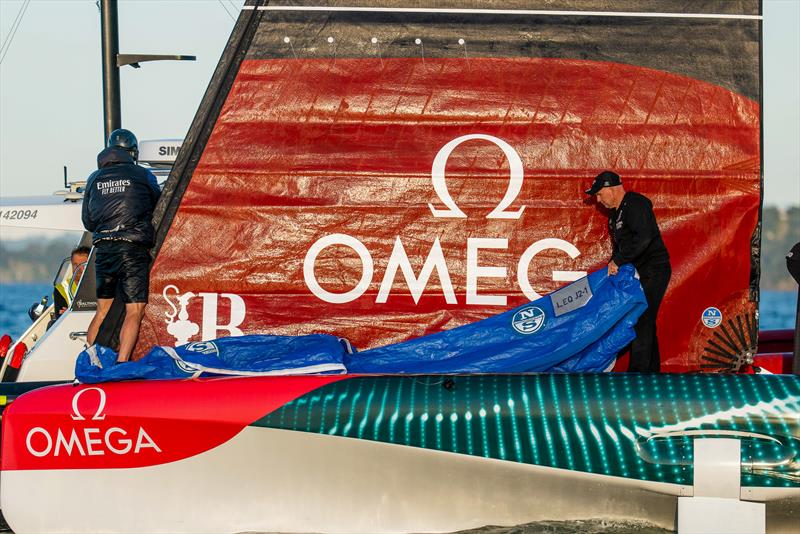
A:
109,30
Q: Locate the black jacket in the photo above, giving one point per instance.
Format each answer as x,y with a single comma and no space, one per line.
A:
635,235
119,200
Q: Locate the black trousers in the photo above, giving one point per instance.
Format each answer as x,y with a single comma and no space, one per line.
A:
645,357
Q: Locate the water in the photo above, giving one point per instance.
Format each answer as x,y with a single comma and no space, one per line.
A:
15,300
777,310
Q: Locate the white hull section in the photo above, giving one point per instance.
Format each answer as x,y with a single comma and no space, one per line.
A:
268,480
47,213
54,355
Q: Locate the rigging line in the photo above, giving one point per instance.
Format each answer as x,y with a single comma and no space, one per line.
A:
226,9
10,37
13,25
573,13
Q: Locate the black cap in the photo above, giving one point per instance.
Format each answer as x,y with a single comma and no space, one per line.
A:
604,179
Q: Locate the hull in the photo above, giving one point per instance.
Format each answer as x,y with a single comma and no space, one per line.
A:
56,212
388,454
282,481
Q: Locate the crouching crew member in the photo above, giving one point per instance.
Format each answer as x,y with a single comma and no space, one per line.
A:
636,239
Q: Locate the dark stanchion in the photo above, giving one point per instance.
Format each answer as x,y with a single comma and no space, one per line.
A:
793,265
796,364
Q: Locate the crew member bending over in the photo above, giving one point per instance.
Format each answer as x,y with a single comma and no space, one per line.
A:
636,239
118,209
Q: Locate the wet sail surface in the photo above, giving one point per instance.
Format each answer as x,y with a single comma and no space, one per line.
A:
381,175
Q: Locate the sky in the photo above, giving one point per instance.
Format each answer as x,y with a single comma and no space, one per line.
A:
51,96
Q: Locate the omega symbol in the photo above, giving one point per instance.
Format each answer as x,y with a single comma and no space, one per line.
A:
98,414
440,185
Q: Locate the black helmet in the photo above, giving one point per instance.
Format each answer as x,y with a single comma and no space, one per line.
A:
125,140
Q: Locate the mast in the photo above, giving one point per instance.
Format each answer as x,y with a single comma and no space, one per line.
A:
109,35
113,60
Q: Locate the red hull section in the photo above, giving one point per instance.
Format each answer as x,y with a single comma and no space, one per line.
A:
115,426
319,180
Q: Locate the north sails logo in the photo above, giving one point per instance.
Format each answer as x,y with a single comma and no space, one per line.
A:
203,347
711,317
528,320
89,440
476,270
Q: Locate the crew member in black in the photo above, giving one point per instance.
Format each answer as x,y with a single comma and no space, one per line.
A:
118,209
636,239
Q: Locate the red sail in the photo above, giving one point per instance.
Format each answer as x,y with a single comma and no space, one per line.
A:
382,198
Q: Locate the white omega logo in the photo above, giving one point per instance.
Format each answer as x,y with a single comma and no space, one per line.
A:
98,415
88,440
475,268
440,185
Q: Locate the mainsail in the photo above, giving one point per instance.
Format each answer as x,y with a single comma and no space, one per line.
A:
379,172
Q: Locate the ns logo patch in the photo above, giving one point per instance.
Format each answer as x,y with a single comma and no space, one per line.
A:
528,320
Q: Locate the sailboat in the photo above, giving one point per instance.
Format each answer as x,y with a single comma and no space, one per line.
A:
380,172
58,213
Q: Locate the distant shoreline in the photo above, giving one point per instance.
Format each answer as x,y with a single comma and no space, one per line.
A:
36,260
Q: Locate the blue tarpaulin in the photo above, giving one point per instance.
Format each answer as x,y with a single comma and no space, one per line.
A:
256,355
578,328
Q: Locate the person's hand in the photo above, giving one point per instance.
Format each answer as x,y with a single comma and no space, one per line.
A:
612,268
61,311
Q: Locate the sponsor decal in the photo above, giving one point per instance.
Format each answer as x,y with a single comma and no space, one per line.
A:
476,269
514,183
528,320
138,424
92,439
203,347
182,329
712,317
113,186
80,304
